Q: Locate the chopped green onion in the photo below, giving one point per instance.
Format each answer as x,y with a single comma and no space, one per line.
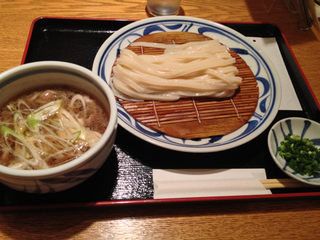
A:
78,134
36,157
44,112
47,136
301,154
6,130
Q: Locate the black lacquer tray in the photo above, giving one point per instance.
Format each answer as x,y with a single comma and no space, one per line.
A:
126,176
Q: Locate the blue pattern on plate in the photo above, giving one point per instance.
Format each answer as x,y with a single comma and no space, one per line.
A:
316,141
124,114
265,84
256,115
152,29
240,51
275,140
307,124
187,28
262,105
265,76
289,125
215,139
145,130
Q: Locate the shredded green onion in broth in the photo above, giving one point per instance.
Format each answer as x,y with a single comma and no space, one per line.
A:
40,132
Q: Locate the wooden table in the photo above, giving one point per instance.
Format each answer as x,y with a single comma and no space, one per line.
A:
258,219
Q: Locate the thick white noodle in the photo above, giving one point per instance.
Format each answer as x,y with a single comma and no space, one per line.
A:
193,69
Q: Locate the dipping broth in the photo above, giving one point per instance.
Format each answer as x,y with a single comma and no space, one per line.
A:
46,128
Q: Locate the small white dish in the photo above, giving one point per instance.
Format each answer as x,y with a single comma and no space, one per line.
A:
305,128
266,75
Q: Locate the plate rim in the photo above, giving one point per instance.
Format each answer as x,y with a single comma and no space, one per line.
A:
188,148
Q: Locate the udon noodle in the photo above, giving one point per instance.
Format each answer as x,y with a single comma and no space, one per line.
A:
47,128
194,69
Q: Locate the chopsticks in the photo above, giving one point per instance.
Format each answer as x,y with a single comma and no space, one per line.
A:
283,183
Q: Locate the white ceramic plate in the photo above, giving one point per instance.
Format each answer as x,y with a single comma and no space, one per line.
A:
267,78
305,128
